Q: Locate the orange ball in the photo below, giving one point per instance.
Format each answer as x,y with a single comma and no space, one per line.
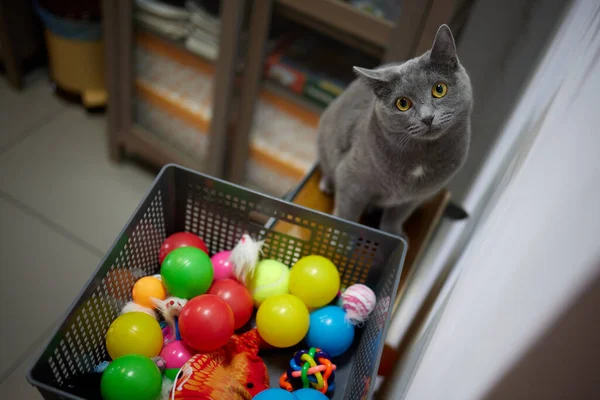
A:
146,288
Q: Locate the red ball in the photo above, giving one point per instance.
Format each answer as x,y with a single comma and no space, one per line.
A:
237,297
180,239
206,323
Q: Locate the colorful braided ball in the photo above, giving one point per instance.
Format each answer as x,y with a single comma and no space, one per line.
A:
312,368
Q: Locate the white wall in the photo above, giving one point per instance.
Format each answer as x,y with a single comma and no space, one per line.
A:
537,246
500,46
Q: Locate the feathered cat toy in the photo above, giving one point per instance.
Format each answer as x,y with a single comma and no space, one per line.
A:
244,257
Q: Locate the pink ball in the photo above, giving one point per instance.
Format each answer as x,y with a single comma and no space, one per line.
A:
176,354
358,301
222,266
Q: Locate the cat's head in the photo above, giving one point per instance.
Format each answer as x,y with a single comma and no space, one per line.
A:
423,97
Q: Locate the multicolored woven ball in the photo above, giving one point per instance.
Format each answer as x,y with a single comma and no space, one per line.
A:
309,368
358,301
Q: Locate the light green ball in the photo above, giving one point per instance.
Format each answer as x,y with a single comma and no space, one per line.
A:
270,279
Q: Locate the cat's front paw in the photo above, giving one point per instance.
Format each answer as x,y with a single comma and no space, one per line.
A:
326,185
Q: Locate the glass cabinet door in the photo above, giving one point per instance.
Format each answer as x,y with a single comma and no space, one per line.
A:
176,62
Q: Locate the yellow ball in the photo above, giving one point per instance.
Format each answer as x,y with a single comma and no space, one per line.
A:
315,280
134,333
282,320
270,279
147,288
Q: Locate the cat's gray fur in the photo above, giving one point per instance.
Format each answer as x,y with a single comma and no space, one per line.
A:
372,154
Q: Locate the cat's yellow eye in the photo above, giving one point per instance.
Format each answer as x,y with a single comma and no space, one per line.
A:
439,90
403,104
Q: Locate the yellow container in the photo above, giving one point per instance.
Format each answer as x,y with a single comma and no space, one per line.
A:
78,66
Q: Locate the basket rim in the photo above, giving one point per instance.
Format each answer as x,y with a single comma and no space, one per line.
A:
163,171
284,201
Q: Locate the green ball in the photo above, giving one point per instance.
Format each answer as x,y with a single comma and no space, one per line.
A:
171,373
187,272
131,377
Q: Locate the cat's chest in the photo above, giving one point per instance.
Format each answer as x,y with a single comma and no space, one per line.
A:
425,172
415,180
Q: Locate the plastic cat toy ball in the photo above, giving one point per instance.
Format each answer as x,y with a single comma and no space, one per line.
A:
237,297
222,265
282,320
131,377
309,369
206,323
315,280
171,373
134,333
275,394
310,394
187,272
330,330
147,288
176,354
359,302
180,239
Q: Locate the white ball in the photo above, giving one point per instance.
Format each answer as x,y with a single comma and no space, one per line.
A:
358,301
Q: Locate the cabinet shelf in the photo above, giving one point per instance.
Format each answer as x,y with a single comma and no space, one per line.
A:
176,109
145,33
173,50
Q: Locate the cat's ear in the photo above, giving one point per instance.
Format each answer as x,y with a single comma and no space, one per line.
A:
376,79
443,51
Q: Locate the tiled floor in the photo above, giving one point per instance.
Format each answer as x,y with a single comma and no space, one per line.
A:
62,202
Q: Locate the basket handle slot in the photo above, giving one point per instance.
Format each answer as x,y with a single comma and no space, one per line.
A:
285,226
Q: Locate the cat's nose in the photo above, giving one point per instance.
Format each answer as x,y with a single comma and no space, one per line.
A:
427,120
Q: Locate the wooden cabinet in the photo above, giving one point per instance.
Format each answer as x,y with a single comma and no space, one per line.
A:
221,116
167,104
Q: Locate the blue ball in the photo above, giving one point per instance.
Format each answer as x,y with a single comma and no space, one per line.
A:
310,394
275,394
329,330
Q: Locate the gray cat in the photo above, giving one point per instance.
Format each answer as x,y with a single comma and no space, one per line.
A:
397,134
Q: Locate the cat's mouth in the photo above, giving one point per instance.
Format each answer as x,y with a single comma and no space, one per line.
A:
426,132
431,133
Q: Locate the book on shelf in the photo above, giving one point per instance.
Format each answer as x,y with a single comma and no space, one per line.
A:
314,66
172,29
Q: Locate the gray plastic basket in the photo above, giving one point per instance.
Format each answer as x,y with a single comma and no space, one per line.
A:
220,212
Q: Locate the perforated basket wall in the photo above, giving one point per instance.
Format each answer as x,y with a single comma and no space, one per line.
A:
220,213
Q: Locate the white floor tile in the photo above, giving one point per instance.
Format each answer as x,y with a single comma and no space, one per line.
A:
23,111
41,274
63,171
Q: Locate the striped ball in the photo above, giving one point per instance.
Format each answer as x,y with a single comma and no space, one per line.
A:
358,301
